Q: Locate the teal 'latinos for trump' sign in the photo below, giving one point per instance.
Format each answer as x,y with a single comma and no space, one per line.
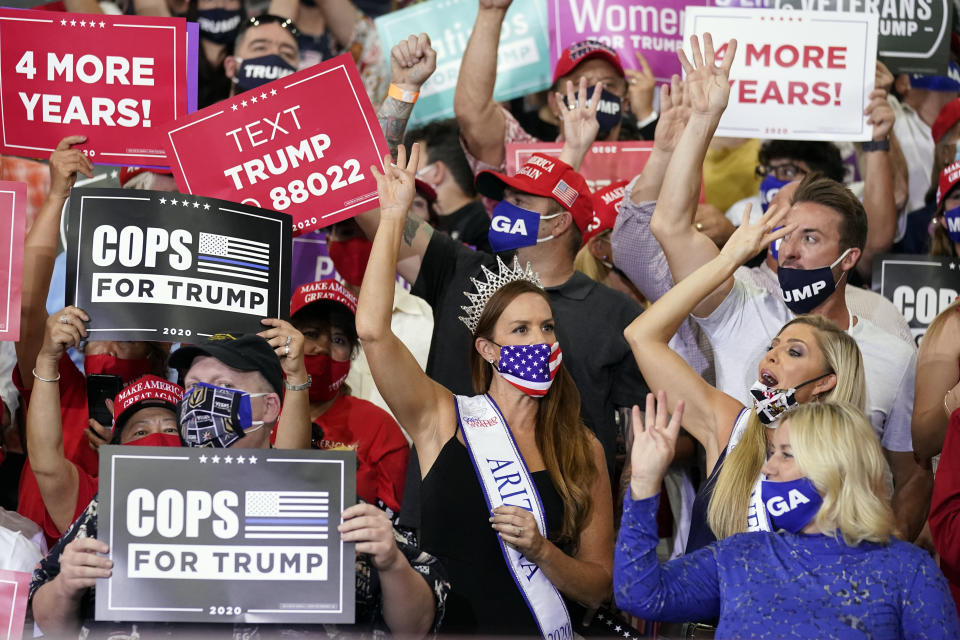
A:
522,61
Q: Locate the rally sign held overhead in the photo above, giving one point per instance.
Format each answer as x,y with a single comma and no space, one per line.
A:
522,52
13,216
606,162
919,286
653,29
802,75
115,79
226,535
156,265
301,145
914,36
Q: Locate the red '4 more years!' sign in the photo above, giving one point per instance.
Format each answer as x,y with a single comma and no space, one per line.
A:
114,79
300,145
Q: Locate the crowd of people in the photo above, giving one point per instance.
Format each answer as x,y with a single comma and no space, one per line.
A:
676,400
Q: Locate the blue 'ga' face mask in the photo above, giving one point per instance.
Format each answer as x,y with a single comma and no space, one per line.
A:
791,505
951,219
513,227
211,416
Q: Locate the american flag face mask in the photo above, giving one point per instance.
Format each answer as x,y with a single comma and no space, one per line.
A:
530,367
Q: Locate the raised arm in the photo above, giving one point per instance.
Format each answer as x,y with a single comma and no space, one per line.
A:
56,476
710,413
412,62
40,250
293,429
673,221
674,113
684,589
878,199
482,124
422,407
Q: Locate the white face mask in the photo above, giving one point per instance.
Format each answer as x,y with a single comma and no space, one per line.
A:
551,236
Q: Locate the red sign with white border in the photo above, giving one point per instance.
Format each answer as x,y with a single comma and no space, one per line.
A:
300,145
13,216
114,79
14,589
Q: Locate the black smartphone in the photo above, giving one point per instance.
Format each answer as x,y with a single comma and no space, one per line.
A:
100,387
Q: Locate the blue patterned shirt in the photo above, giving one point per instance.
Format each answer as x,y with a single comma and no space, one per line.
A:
781,585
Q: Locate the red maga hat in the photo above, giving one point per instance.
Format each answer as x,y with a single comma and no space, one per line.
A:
606,206
579,52
145,391
329,289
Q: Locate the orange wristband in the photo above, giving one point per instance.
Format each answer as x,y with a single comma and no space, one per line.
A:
397,93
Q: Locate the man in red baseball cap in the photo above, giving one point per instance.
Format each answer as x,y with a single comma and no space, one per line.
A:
486,127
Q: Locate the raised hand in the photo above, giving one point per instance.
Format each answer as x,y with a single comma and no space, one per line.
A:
287,343
674,113
64,330
501,5
412,62
65,163
883,78
708,84
396,186
880,114
654,441
580,125
749,239
640,87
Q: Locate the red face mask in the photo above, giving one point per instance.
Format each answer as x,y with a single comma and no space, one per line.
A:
128,370
350,258
157,440
327,374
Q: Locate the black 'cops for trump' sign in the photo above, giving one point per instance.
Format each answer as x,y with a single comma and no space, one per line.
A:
226,535
155,265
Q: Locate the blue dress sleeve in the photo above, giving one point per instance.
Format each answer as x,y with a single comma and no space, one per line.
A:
929,611
682,590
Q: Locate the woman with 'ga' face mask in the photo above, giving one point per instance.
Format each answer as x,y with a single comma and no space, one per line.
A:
832,570
324,313
809,360
945,226
514,490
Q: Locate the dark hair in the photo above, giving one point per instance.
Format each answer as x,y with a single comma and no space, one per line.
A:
327,314
563,440
443,145
267,18
817,189
822,157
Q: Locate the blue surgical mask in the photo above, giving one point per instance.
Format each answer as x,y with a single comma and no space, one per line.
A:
775,246
951,219
768,189
219,25
513,227
609,110
254,72
790,505
211,416
805,289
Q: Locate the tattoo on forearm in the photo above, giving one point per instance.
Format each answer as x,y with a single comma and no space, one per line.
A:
414,225
393,116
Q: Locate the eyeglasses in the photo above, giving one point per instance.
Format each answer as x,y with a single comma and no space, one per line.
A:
269,18
783,171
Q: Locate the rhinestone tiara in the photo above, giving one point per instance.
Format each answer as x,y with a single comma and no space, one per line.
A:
493,283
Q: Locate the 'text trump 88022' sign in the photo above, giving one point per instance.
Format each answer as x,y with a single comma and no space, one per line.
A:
222,535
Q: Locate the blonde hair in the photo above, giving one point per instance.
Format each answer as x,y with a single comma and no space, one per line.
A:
837,449
942,318
587,263
727,512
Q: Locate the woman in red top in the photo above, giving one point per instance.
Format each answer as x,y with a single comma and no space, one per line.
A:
324,312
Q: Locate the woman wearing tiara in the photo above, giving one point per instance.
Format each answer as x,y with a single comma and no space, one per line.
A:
516,501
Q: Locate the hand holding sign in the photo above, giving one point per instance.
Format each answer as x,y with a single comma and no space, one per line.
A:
64,330
65,164
708,85
879,114
287,342
371,530
80,566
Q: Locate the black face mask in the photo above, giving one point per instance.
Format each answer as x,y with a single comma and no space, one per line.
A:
219,25
609,111
254,72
